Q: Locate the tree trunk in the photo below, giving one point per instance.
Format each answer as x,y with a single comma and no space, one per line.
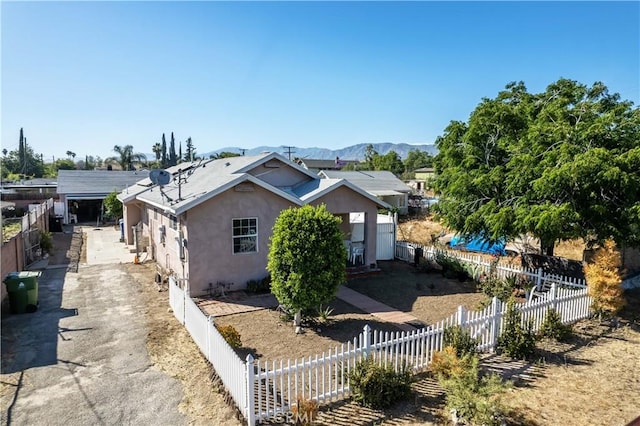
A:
297,318
546,248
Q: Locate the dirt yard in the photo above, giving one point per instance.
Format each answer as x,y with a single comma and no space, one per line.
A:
592,380
423,229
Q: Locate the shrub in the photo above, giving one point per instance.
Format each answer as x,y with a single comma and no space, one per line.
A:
516,341
493,286
259,286
446,363
231,335
553,328
376,386
475,399
451,266
305,411
324,313
460,339
46,242
604,280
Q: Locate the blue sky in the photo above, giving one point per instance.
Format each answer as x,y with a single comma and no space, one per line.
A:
85,76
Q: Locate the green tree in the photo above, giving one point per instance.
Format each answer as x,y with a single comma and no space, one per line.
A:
23,161
223,154
126,157
190,153
157,151
415,160
165,159
557,165
390,161
306,258
113,206
173,159
370,155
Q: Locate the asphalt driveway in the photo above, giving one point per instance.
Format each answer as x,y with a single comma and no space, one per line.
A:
81,359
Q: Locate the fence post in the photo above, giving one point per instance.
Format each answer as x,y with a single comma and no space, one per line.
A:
539,279
553,295
366,334
250,403
496,309
461,316
209,325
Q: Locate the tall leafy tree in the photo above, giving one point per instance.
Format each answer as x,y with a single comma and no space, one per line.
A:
157,151
390,161
557,165
165,158
306,258
126,157
173,159
417,159
190,153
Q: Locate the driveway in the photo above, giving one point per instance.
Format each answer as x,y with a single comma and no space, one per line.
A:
81,358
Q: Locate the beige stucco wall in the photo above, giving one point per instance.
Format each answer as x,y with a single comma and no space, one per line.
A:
209,238
131,213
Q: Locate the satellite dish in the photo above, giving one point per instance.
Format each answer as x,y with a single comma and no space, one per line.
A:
159,177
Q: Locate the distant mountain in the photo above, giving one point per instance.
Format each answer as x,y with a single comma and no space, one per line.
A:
354,152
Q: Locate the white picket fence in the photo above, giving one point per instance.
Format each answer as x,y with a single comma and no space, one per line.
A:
231,370
406,251
265,390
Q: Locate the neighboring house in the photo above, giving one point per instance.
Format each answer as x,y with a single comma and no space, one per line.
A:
210,225
29,191
315,166
422,178
82,192
382,184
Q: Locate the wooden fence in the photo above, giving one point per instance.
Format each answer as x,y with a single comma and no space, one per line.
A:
21,250
266,390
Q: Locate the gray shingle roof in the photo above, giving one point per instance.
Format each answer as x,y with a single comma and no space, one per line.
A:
201,181
374,182
97,181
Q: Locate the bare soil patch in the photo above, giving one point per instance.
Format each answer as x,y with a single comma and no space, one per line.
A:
428,296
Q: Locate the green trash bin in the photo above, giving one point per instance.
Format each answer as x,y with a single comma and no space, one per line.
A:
17,292
29,281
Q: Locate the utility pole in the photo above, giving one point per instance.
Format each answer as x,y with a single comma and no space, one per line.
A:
289,151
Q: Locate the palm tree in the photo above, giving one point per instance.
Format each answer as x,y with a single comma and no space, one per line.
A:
157,150
126,157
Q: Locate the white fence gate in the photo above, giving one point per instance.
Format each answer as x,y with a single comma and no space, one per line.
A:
386,241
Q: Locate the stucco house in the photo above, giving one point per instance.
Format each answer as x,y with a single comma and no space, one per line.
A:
381,184
210,224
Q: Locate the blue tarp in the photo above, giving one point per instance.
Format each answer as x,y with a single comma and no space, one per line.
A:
478,244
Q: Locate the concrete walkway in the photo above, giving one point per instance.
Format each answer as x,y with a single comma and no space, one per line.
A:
379,310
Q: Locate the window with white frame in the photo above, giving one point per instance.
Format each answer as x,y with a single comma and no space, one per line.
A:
245,235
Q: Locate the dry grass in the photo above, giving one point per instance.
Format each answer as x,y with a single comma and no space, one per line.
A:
594,379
